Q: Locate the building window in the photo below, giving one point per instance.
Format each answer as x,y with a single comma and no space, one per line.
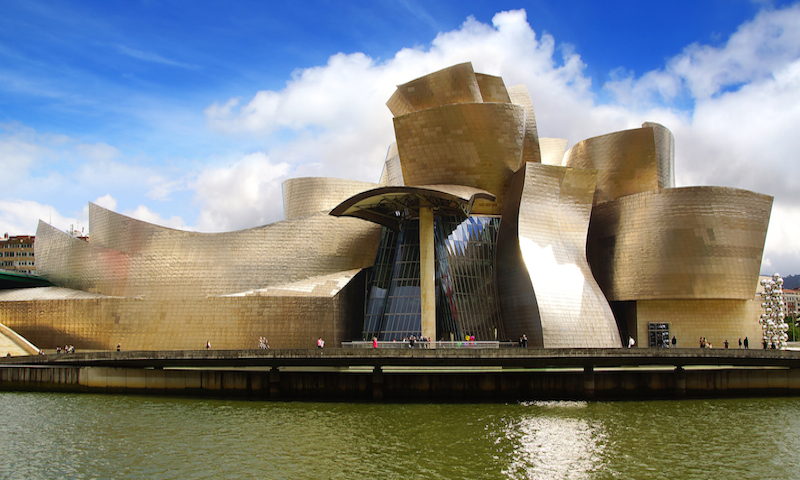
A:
658,335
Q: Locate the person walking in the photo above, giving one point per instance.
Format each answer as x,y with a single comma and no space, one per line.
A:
631,342
746,343
674,341
740,342
320,343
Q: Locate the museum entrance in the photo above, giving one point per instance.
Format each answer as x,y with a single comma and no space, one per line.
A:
658,335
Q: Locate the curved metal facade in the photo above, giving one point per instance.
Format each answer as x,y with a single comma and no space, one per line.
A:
628,162
173,288
477,145
553,222
306,195
508,232
679,243
456,84
553,150
140,258
392,174
519,96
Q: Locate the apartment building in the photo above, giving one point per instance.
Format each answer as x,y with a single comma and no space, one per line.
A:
16,254
791,298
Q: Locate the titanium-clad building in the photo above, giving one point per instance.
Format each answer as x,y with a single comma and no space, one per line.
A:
477,227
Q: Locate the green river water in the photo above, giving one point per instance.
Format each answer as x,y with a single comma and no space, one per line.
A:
52,435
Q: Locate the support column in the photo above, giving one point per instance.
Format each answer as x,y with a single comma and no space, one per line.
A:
680,381
274,382
588,381
427,264
377,383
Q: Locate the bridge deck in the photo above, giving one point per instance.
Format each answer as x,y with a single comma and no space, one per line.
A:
344,357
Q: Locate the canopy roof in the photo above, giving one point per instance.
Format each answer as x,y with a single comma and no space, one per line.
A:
387,206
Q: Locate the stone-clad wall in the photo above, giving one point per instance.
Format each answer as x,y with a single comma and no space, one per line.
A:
188,323
716,320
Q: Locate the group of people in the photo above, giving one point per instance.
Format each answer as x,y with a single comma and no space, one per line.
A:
424,342
66,349
706,344
263,343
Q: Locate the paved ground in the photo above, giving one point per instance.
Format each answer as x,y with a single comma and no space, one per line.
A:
7,346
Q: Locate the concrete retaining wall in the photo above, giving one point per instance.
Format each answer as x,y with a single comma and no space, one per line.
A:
363,384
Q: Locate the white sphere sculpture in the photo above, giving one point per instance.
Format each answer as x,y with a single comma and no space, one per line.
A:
773,319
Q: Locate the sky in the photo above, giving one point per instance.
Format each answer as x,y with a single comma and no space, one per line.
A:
190,113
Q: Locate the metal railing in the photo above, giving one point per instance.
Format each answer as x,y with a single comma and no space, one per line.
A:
422,344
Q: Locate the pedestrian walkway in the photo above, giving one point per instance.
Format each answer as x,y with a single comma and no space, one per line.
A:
13,344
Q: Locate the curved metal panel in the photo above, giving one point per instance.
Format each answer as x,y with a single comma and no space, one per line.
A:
307,195
554,217
76,264
628,162
456,84
679,243
173,264
493,89
392,174
478,145
552,150
381,205
519,96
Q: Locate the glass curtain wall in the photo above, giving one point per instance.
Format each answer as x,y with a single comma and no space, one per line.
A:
378,278
465,259
466,292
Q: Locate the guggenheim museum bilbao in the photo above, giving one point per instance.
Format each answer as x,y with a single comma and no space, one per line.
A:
476,227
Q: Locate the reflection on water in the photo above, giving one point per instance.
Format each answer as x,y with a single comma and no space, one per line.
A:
46,435
548,444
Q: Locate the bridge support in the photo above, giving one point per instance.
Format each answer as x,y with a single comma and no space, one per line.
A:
588,381
274,382
680,381
377,383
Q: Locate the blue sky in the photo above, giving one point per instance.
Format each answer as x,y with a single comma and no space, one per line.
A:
190,114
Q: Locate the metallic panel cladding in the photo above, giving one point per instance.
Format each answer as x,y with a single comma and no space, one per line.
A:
306,195
477,145
554,217
628,162
679,243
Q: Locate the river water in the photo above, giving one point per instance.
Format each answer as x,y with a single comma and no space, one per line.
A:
53,435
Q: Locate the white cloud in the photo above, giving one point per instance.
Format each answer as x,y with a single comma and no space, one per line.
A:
146,215
106,201
21,217
753,53
152,57
16,157
244,194
740,133
99,152
733,109
782,247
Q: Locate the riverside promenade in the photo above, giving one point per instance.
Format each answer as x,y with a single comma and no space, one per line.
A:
442,374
